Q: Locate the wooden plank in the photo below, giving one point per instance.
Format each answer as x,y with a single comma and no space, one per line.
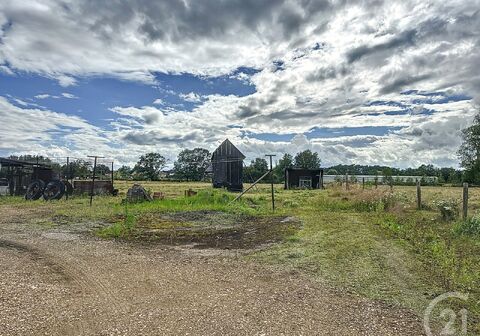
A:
465,201
419,195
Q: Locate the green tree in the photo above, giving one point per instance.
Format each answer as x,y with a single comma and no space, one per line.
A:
38,159
307,160
77,168
387,175
149,166
331,171
191,164
102,170
123,173
257,168
31,158
469,152
279,171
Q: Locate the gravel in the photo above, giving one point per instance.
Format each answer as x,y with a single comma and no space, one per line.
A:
66,283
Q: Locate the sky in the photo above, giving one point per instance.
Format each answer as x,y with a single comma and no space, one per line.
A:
359,82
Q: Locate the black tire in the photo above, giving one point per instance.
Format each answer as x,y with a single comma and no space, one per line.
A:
68,188
54,190
35,190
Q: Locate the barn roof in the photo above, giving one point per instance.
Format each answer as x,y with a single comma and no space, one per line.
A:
15,163
227,150
303,169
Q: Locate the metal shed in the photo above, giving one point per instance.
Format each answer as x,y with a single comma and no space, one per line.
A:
303,178
227,167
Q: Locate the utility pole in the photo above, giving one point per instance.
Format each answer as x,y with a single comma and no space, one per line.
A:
271,179
92,188
112,177
66,175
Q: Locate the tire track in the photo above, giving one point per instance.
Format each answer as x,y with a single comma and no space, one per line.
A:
74,274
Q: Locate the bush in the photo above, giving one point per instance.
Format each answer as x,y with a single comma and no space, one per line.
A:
469,227
448,209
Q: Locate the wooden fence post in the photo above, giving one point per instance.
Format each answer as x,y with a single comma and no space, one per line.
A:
419,195
363,183
465,201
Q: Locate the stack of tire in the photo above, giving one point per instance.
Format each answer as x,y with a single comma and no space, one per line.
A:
53,190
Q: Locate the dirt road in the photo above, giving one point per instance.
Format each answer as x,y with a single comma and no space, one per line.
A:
62,282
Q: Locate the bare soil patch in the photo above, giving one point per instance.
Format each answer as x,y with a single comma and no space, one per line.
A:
214,229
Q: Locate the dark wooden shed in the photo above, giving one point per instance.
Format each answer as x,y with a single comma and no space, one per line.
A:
227,167
298,178
19,174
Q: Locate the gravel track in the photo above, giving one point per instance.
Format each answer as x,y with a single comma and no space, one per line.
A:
68,283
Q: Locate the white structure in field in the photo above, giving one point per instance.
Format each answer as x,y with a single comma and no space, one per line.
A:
371,178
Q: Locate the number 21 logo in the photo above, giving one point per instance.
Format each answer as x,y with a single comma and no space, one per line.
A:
449,315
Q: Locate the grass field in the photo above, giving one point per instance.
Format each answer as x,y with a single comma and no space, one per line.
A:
369,242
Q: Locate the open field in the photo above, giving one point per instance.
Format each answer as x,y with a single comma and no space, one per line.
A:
367,249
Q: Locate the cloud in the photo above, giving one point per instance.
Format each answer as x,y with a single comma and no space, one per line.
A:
29,129
6,70
325,64
400,82
42,96
69,95
152,137
65,81
204,38
49,96
406,38
191,97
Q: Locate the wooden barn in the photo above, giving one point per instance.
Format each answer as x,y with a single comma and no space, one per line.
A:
298,178
227,167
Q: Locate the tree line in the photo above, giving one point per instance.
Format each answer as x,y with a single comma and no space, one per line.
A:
192,165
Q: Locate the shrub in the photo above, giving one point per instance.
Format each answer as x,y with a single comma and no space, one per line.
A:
448,209
469,227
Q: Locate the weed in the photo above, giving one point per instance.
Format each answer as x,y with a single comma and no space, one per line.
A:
448,209
469,227
119,229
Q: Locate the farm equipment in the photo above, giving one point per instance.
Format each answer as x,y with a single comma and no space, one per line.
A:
39,180
46,184
51,190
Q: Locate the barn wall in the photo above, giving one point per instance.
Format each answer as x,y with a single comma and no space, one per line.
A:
100,188
227,166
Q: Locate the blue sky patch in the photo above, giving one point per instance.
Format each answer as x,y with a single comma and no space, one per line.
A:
93,97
